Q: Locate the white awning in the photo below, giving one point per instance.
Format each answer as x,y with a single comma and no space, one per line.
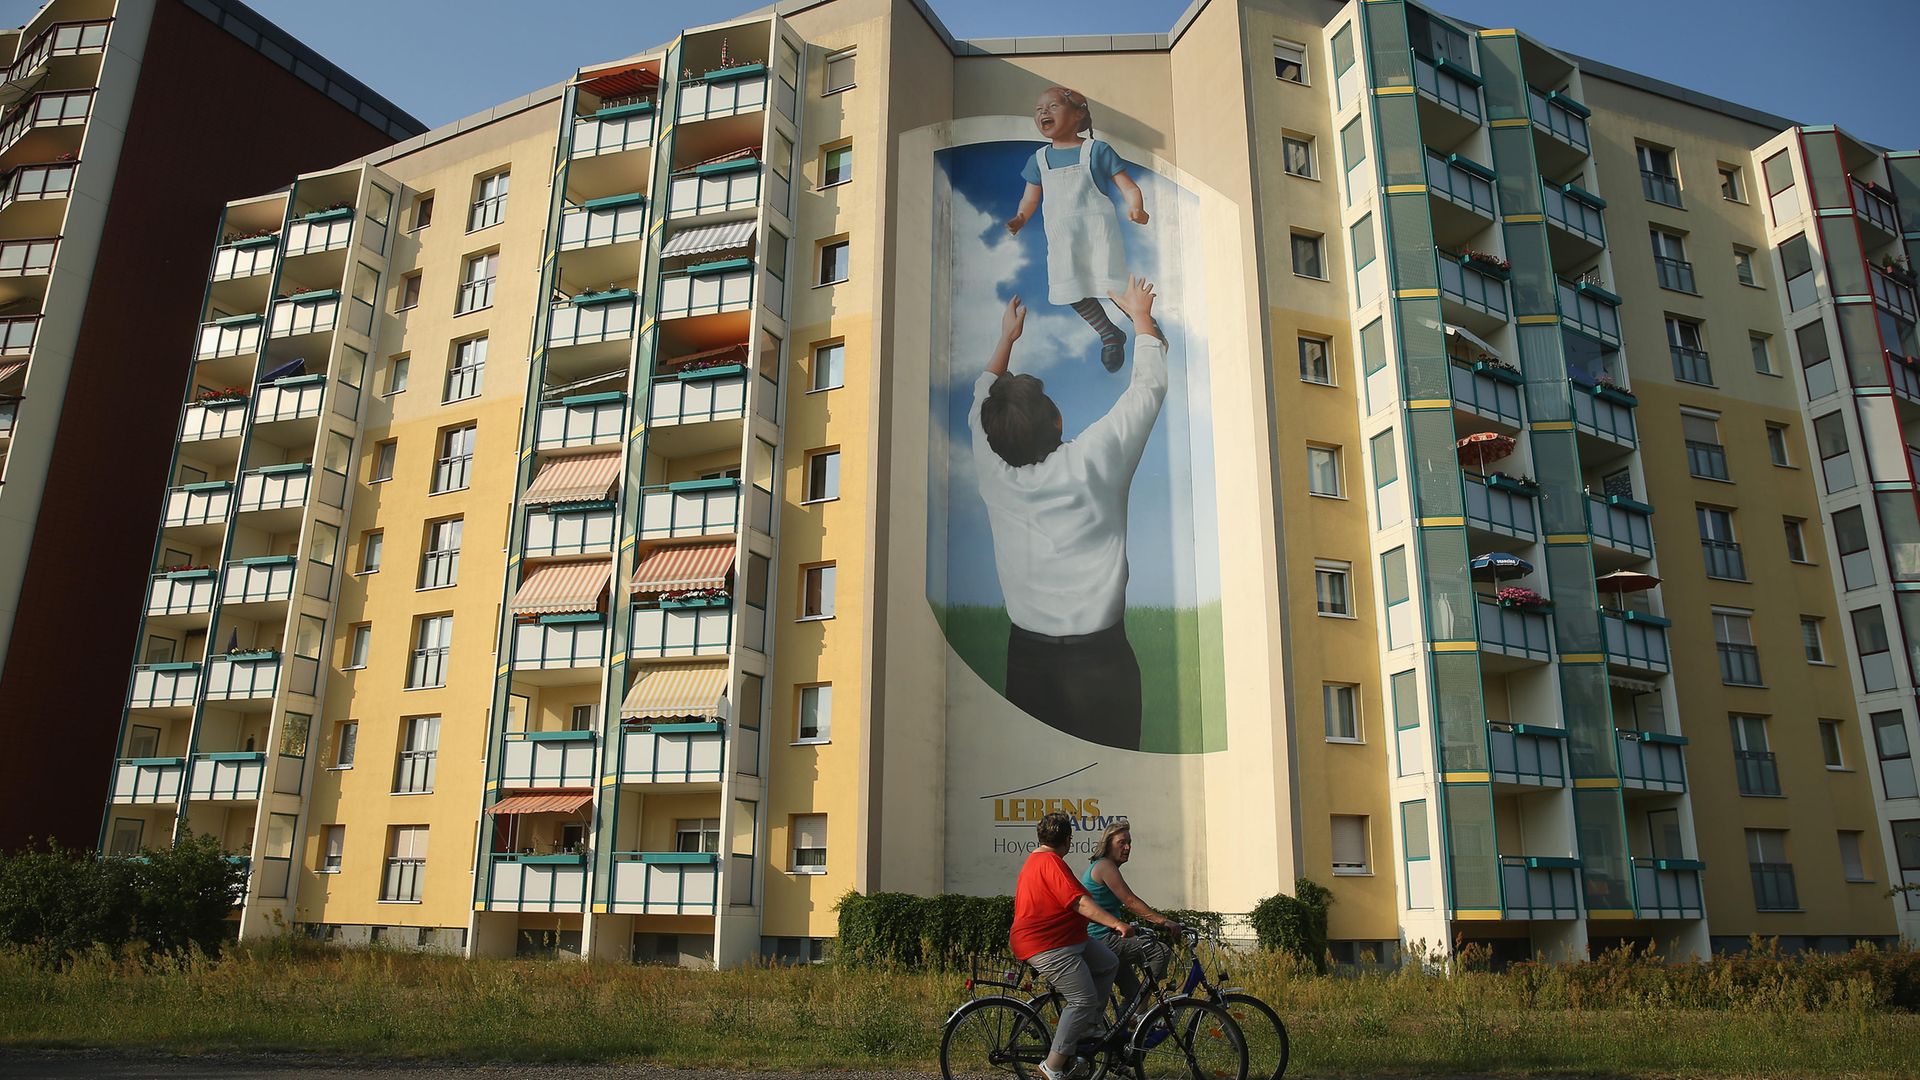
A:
706,238
677,692
1472,339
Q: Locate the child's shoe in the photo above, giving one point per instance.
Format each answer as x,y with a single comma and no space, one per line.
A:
1113,354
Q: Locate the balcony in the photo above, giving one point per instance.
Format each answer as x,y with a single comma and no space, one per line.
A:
655,753
148,780
245,676
1739,664
692,508
1591,310
549,759
245,258
560,642
1675,275
226,777
235,336
1528,755
1621,524
517,882
613,130
715,187
728,92
1502,507
616,219
591,318
275,487
662,632
1652,761
697,397
198,504
1659,187
580,420
1894,294
1456,90
1668,888
297,397
1490,392
263,580
164,686
206,421
181,592
1757,773
1637,641
665,883
1876,207
1724,560
1560,130
38,183
1575,213
576,529
321,230
28,258
1539,887
1518,633
59,40
46,125
305,313
707,289
1477,292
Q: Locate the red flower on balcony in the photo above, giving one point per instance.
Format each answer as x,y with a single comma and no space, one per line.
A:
1519,597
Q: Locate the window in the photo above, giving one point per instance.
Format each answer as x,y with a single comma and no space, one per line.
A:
1875,651
1386,474
1850,538
1810,641
823,475
1743,266
696,835
372,543
127,834
1896,755
1330,591
143,741
440,559
383,455
1722,552
1772,874
396,374
1795,529
1341,704
1754,765
1365,248
839,75
1296,155
1777,446
1733,637
583,717
829,365
1796,269
359,644
422,212
1343,61
1851,866
466,370
836,165
809,844
345,735
431,644
333,845
454,466
489,202
814,720
406,864
1316,364
1353,155
1349,844
1830,744
1732,188
1323,471
1657,179
1289,61
409,292
476,282
1670,261
1762,351
1306,256
1706,458
413,774
1395,591
833,262
1690,362
1836,454
816,600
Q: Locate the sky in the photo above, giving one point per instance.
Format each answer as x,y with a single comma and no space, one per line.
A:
1846,63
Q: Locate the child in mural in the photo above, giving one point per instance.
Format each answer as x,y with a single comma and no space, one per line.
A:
1077,175
1058,511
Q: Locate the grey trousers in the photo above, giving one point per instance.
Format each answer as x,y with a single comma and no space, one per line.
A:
1083,974
1141,950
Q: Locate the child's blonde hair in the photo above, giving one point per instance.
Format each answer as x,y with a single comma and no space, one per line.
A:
1076,99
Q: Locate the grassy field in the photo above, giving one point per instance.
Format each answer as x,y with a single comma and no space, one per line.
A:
1182,679
396,1005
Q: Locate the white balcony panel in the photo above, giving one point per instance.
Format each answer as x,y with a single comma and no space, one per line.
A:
242,678
226,777
276,487
536,762
253,581
683,295
665,888
216,420
536,883
671,753
182,593
674,632
237,336
199,504
164,686
148,780
677,400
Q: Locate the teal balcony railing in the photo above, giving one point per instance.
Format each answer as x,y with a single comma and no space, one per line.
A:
233,777
245,258
696,397
1668,888
321,230
517,882
1449,84
591,318
1756,772
181,592
265,579
1501,506
1773,886
662,632
707,289
569,529
614,129
1637,640
1591,310
1559,116
580,420
1575,210
1663,188
1724,560
1621,524
1528,754
198,504
1516,632
615,219
1540,887
1474,286
688,509
729,92
165,686
665,883
1461,181
297,397
1488,392
1652,760
236,336
148,780
549,759
714,188
655,753
275,487
243,676
559,641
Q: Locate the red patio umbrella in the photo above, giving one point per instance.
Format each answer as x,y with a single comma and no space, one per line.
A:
1622,582
1484,446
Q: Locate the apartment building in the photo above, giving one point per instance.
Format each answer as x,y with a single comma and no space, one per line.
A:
124,129
591,531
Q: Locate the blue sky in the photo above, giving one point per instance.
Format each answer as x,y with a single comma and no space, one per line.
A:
1846,63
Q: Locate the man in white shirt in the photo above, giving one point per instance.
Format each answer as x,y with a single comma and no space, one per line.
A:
1059,515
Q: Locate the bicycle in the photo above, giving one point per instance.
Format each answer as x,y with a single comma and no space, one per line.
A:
1261,1029
1177,1036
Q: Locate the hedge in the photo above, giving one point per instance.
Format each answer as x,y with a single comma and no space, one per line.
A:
1295,924
942,932
55,903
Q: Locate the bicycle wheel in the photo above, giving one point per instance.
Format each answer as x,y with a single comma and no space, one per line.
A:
1189,1039
1111,1058
993,1037
1267,1048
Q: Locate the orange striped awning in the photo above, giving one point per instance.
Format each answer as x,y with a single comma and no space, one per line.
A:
565,801
8,371
585,478
670,692
563,588
687,566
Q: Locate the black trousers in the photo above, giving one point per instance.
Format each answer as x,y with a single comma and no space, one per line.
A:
1087,686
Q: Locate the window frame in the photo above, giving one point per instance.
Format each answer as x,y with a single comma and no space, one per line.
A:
346,744
1833,746
814,372
829,581
1330,692
1779,449
1794,532
823,717
1814,647
1330,570
422,209
814,459
1363,868
827,152
488,202
1339,477
407,297
1301,341
1306,144
359,646
845,265
1319,242
380,465
827,85
1302,74
373,548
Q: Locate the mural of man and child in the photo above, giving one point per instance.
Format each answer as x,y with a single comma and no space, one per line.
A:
1058,472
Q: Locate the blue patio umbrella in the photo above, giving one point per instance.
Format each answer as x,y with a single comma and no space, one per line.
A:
295,366
1497,563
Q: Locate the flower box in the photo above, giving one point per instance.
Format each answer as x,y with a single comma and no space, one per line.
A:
1500,370
629,109
1539,607
252,654
590,298
1485,262
698,370
1522,486
737,71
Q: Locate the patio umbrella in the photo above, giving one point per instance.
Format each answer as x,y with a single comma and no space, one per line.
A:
1474,341
1491,566
1622,582
233,641
295,366
1482,447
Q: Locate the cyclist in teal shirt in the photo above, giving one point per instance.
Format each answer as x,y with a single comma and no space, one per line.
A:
1108,888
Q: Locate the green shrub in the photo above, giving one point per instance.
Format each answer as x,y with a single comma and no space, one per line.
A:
1295,924
57,903
903,930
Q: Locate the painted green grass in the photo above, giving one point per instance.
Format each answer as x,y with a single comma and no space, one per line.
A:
1183,681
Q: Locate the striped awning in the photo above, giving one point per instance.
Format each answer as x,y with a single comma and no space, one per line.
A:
705,238
575,479
565,801
8,371
563,588
671,692
688,566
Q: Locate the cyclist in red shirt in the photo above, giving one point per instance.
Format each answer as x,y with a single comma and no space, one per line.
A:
1051,910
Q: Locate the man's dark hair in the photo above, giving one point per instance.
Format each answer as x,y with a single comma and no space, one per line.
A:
1021,421
1055,829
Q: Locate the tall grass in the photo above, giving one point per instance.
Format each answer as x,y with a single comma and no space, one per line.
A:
1769,1017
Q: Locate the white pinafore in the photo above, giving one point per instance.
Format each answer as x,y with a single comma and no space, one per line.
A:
1085,255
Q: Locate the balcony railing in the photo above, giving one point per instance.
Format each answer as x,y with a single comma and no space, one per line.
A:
569,530
695,397
1468,284
1592,311
1449,84
322,230
60,39
198,504
1537,887
29,183
214,420
716,188
308,313
1660,187
1668,888
1773,887
707,289
1605,414
599,222
1501,509
226,777
275,487
1875,207
298,397
164,686
1894,295
591,318
243,676
545,646
1707,460
1461,181
1621,523
1638,641
148,780
535,882
1559,116
1515,632
549,759
66,108
230,337
612,130
580,420
403,879
1487,392
692,508
1724,560
182,592
27,258
262,580
1527,754
653,753
1739,664
1758,773
670,632
1691,365
729,92
245,258
1674,274
665,883
1652,760
1576,210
